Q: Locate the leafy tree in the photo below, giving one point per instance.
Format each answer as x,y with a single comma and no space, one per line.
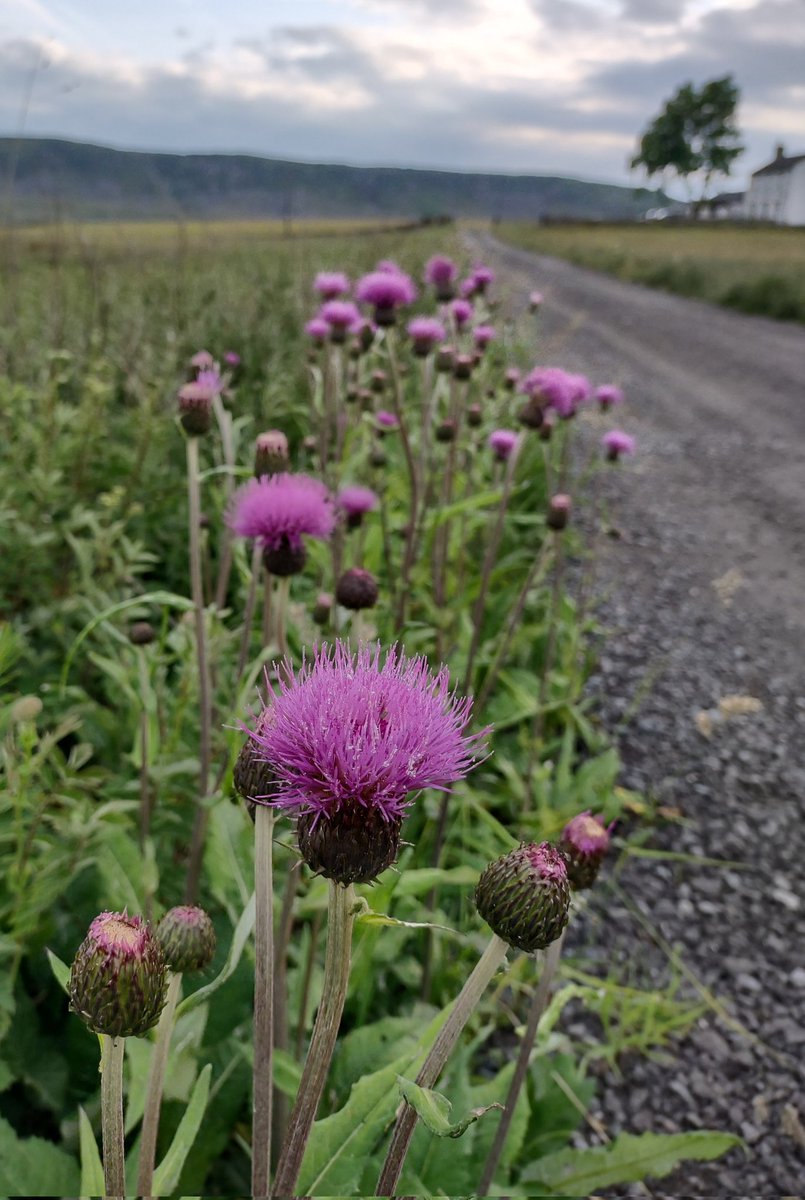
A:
696,133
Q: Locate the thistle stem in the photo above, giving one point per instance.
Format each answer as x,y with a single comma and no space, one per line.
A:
263,1084
280,1113
205,714
538,727
248,612
539,1002
225,566
283,593
145,796
310,962
114,1154
434,1064
341,915
156,1083
413,484
268,607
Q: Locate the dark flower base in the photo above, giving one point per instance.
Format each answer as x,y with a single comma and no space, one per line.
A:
353,846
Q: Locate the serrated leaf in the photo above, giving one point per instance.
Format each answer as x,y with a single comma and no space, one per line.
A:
167,1173
242,933
92,1181
433,1109
35,1167
627,1159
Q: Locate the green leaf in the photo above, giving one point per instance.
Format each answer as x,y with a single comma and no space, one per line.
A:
242,933
35,1167
61,972
371,919
627,1159
433,1109
166,1176
92,1181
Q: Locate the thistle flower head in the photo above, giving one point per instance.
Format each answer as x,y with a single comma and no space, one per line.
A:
524,896
196,400
535,301
511,378
118,979
557,389
585,841
232,358
355,501
425,333
608,395
331,284
616,443
481,277
386,291
362,729
270,453
483,334
502,442
461,311
202,360
357,589
187,937
389,266
387,420
280,510
318,329
558,511
440,269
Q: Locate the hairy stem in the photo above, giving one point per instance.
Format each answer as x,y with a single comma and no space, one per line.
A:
413,484
283,593
263,1084
539,1002
341,915
114,1153
434,1064
225,565
280,1114
205,714
310,962
156,1083
248,612
145,791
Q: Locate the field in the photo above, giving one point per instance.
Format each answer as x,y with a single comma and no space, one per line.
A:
754,270
148,622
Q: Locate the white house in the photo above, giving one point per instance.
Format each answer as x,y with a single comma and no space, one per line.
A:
777,191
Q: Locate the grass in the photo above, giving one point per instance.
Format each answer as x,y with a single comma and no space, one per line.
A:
753,269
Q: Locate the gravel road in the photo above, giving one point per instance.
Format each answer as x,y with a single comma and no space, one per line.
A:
703,601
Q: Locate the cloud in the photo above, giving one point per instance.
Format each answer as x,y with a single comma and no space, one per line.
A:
520,85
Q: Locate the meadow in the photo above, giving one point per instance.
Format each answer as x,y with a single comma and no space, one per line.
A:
165,578
754,269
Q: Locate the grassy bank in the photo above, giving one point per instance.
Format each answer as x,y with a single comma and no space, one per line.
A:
754,270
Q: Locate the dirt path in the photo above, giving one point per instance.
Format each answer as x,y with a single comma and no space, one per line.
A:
705,592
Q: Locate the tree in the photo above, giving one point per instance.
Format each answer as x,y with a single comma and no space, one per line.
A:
696,133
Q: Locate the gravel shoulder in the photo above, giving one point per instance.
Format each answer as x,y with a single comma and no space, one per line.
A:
703,601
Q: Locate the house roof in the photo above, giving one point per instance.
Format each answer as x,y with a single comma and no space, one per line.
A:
780,165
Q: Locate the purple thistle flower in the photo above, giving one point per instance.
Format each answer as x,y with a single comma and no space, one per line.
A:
390,267
483,335
481,276
318,329
232,358
616,443
585,841
608,395
386,291
279,509
440,273
360,731
535,301
355,501
461,310
387,419
502,442
425,333
202,360
210,380
331,284
340,316
556,388
196,400
467,289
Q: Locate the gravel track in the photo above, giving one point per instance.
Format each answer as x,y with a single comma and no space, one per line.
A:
703,600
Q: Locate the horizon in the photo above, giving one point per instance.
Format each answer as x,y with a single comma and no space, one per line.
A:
496,87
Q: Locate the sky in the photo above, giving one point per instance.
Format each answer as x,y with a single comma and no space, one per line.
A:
527,86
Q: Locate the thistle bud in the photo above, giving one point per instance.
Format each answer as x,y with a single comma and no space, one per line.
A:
474,416
270,453
524,896
118,978
378,382
357,589
558,512
378,457
352,846
322,609
310,443
585,841
445,357
446,430
195,409
463,365
511,378
532,414
141,633
546,428
187,937
251,776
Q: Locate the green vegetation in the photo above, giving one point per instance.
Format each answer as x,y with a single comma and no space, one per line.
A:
95,729
755,270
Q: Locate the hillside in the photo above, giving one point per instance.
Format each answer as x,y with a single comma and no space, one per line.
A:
46,178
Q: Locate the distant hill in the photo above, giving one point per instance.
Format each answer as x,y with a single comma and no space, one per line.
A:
47,178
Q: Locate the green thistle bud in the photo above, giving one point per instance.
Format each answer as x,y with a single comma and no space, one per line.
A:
252,777
118,978
585,841
187,937
524,896
352,846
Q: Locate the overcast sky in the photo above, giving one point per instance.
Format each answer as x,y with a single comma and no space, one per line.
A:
543,86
